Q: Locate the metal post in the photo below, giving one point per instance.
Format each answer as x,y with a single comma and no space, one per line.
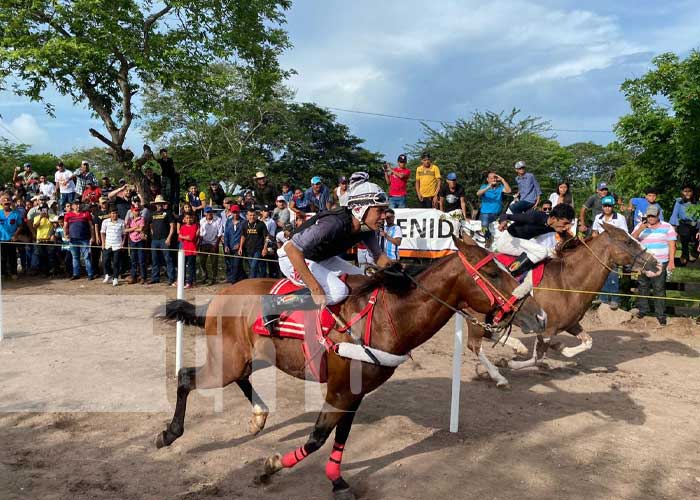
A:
179,332
456,370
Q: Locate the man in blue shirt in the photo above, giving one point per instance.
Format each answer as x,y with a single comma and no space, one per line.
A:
640,205
686,224
529,191
232,241
10,220
319,195
491,196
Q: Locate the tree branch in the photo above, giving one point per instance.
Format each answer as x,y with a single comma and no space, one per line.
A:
102,138
150,21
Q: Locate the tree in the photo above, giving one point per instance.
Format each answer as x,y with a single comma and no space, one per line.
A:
102,54
227,134
11,156
494,141
316,144
662,130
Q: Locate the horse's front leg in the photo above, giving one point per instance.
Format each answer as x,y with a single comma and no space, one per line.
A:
538,352
340,413
586,342
475,334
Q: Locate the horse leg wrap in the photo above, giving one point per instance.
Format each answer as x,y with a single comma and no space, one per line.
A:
294,457
333,464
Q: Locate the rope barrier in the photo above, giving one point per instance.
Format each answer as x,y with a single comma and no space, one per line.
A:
225,255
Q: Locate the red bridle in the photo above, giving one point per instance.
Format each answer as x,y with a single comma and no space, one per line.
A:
494,295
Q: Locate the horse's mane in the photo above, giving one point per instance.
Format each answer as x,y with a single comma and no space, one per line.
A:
569,245
394,278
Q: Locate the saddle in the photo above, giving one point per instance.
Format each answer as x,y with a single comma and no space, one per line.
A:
311,327
537,271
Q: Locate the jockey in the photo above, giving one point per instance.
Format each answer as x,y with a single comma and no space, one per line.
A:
517,239
311,257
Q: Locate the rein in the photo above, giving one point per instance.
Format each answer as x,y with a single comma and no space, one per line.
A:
634,258
504,305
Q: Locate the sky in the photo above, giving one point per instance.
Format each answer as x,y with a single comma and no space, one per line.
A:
559,60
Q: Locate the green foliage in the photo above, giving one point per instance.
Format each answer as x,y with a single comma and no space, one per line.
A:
495,141
101,54
11,156
662,129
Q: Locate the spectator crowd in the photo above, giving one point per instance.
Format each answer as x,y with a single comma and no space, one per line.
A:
56,227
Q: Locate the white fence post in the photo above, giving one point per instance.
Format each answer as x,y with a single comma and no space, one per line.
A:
456,373
179,332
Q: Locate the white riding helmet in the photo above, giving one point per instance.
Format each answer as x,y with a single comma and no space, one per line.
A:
363,194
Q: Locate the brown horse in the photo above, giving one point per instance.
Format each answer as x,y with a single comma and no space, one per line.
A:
402,322
583,267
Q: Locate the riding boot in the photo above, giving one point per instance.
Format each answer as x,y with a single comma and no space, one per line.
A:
274,305
521,265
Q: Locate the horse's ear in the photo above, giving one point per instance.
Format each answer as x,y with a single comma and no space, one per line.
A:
613,231
461,245
468,239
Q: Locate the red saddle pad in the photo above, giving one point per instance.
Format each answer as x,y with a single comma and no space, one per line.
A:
537,271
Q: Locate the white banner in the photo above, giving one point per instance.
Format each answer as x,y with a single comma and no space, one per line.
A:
427,232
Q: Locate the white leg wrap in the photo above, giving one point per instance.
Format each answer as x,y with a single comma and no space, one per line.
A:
519,365
516,345
585,345
495,375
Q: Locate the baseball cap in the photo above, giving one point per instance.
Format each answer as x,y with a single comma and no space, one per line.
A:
208,210
607,200
122,181
104,199
342,179
53,218
402,158
602,185
27,165
265,208
235,208
451,176
316,180
520,164
281,198
652,210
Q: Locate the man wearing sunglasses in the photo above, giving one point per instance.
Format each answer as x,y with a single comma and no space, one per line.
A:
311,257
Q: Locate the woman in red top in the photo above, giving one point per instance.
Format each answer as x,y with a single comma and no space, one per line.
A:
188,236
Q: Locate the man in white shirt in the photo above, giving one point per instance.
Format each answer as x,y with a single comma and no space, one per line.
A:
112,232
211,230
46,188
64,179
390,237
608,216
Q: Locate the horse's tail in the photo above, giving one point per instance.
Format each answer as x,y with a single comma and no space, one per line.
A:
181,310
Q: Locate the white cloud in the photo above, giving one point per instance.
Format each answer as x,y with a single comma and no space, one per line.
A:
26,129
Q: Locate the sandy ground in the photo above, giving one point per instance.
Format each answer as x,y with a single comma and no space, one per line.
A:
87,385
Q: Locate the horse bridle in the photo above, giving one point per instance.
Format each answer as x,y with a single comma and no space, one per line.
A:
496,298
504,306
636,256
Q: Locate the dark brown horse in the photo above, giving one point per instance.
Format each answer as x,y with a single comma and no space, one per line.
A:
402,322
584,267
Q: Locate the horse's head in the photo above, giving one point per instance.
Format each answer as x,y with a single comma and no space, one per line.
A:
626,251
490,290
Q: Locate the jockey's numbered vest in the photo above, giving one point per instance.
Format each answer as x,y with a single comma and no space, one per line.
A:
337,242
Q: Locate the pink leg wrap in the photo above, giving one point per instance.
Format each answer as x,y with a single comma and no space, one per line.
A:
294,457
333,464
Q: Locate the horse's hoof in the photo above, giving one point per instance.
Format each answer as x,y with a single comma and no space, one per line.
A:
501,363
344,494
160,441
503,386
273,464
257,423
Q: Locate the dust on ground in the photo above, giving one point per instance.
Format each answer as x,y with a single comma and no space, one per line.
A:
88,383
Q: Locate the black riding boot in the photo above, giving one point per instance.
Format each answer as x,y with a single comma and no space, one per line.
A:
521,265
274,305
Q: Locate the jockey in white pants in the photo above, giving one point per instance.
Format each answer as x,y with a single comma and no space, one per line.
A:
311,257
517,238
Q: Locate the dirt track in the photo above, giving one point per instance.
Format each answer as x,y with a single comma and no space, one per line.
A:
619,422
